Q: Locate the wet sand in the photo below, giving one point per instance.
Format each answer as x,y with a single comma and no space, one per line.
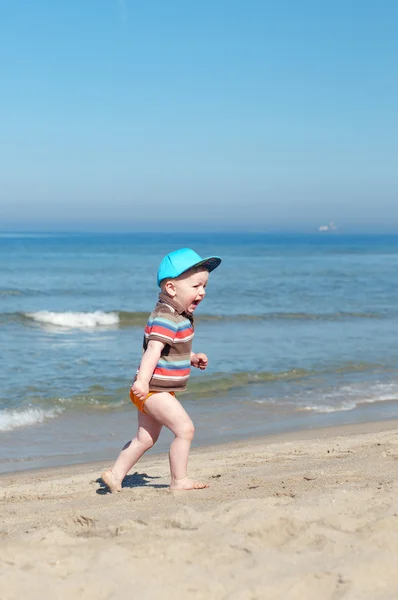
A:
296,516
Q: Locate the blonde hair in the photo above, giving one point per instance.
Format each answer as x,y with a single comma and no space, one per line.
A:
183,275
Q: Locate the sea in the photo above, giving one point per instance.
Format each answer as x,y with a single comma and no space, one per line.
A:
300,330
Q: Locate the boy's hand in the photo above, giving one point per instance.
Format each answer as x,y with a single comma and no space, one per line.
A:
140,389
199,361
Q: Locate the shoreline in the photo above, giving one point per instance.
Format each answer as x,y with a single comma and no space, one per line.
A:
297,515
318,433
95,437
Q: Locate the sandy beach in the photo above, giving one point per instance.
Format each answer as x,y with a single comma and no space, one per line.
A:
300,516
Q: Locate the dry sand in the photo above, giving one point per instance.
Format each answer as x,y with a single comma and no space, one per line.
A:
301,516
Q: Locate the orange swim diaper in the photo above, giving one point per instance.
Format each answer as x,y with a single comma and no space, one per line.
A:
140,403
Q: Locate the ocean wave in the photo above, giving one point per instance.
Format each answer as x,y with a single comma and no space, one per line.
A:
115,318
10,292
12,419
347,405
302,391
138,318
336,316
75,320
220,383
223,382
330,408
347,398
92,400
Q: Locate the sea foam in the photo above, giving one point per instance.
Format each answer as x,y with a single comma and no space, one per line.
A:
75,320
355,398
12,419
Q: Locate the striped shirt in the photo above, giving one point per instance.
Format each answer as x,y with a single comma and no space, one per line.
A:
169,324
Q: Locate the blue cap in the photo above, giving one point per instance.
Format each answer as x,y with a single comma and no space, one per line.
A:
179,261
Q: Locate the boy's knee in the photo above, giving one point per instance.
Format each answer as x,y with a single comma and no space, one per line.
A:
186,430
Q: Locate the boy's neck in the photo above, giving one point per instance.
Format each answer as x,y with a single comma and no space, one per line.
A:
166,299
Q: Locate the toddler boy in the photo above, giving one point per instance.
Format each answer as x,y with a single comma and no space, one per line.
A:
165,368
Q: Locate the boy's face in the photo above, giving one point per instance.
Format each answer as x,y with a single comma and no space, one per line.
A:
189,289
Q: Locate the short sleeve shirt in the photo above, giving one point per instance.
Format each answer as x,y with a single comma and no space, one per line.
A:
169,324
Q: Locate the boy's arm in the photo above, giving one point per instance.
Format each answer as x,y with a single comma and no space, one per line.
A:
148,363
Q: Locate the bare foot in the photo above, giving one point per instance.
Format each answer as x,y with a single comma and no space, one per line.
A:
181,485
109,478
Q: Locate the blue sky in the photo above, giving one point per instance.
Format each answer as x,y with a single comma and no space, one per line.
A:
140,115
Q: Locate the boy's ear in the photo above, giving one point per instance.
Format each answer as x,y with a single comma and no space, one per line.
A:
170,288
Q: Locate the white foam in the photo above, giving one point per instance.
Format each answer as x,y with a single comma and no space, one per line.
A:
390,394
327,408
75,320
340,399
12,419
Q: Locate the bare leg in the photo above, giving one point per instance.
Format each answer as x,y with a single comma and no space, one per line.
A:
147,434
167,410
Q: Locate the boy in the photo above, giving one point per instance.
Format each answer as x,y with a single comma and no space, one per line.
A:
165,368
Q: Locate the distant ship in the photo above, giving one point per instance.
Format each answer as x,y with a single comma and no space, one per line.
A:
330,227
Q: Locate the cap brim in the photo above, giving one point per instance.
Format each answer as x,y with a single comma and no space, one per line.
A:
209,263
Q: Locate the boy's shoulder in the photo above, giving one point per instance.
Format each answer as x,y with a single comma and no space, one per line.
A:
165,310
